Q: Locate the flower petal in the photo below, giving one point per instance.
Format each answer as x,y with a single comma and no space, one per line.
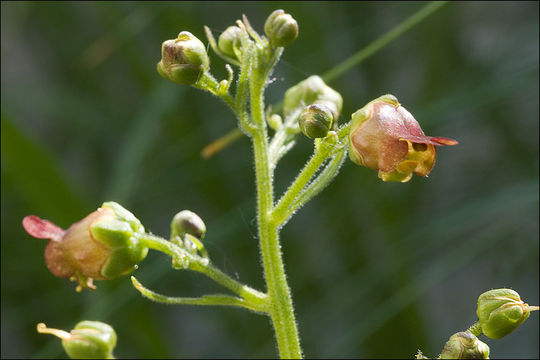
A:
42,229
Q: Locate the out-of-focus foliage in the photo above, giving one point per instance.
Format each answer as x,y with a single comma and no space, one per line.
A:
376,269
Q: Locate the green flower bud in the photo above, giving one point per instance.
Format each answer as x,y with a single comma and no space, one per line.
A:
183,59
102,246
309,91
281,28
464,345
229,41
87,340
384,136
187,222
315,121
501,311
274,121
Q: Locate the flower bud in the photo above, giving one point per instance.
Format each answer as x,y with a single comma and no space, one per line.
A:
384,136
464,345
229,41
187,222
88,340
183,59
102,246
281,28
315,121
309,91
501,311
274,121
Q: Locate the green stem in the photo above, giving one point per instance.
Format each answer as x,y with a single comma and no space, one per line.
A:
283,208
318,184
246,292
202,266
206,300
475,329
281,308
384,40
282,140
242,90
209,83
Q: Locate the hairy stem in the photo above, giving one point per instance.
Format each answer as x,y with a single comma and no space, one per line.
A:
283,208
206,300
281,308
196,263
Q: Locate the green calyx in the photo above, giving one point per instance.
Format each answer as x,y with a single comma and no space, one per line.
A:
309,91
315,121
501,311
183,59
281,28
120,234
464,345
230,43
87,340
90,340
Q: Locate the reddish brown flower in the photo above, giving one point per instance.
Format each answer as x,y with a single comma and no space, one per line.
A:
384,136
101,246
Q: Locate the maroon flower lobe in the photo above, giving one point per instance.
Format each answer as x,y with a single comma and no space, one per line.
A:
42,229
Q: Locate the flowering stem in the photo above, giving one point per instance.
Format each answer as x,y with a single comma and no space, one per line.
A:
358,57
281,308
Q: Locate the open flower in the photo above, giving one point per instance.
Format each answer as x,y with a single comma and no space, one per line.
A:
384,136
102,246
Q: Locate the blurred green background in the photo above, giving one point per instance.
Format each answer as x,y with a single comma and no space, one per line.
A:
376,269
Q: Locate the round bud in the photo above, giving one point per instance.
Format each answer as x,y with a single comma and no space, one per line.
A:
229,40
281,28
183,59
501,311
187,222
464,345
309,91
87,340
315,121
274,121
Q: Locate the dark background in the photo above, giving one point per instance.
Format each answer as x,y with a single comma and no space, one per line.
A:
376,269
